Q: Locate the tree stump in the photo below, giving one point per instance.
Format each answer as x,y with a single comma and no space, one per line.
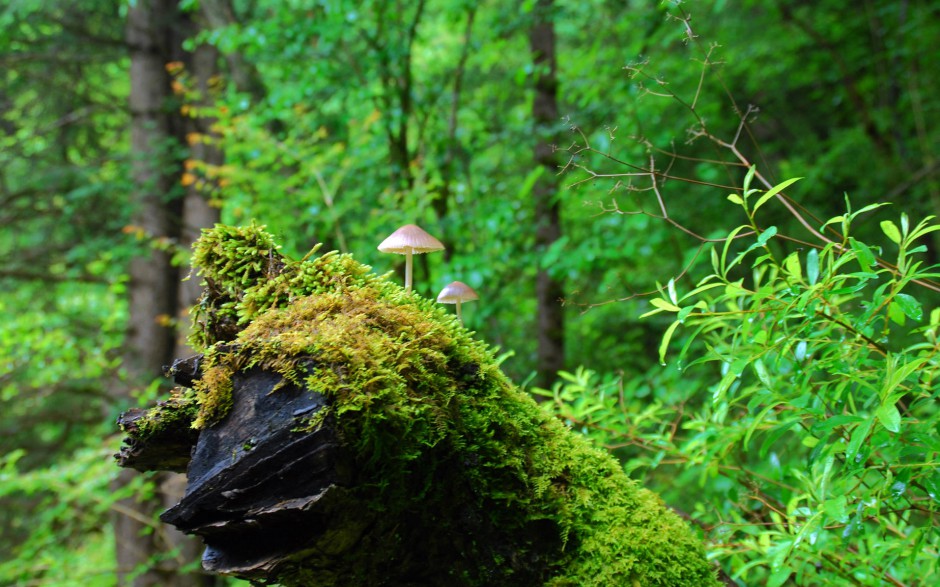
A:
348,432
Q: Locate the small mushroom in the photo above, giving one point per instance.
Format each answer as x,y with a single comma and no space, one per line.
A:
455,293
410,240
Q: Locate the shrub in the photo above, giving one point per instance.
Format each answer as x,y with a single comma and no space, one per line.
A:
801,417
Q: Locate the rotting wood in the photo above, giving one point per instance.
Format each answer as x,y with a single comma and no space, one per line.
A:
353,433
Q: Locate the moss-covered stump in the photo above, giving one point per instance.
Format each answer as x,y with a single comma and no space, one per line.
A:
353,433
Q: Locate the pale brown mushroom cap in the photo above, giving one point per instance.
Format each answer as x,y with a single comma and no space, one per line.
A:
457,292
410,238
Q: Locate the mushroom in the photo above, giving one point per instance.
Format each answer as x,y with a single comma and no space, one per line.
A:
455,293
410,240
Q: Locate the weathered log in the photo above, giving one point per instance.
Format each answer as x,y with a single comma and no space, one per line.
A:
259,492
353,434
158,439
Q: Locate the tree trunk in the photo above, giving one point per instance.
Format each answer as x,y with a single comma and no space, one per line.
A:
197,214
154,34
549,290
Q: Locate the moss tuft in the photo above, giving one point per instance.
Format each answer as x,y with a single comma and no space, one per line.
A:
176,413
213,395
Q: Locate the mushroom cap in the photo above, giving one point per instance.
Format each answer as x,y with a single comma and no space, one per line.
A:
455,292
410,238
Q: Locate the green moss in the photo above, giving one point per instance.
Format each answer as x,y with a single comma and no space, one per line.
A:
176,413
410,389
161,437
213,395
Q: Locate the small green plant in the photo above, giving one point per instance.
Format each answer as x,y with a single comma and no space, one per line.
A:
808,418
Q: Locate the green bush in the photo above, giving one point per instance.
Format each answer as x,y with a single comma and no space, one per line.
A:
797,419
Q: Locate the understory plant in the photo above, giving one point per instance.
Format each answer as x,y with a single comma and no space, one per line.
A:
795,418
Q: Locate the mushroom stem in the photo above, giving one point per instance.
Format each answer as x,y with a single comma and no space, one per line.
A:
459,317
408,271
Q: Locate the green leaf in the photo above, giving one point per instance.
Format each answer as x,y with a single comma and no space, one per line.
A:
841,420
792,265
890,417
671,288
835,509
664,343
866,258
859,435
774,191
766,235
736,199
834,220
758,419
868,208
924,228
775,435
748,178
812,266
896,373
701,288
554,252
723,385
762,239
778,577
910,306
664,305
891,231
722,264
932,483
762,373
896,314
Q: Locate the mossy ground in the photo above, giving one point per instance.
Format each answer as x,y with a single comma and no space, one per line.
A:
410,388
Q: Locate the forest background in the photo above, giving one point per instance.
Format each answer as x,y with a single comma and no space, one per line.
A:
764,359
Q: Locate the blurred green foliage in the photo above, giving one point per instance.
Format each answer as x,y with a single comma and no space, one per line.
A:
847,99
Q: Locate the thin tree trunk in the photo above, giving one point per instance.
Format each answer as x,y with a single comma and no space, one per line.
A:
549,291
149,342
197,213
154,33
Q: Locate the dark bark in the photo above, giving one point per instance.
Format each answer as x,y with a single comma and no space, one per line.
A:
154,34
549,290
275,503
202,66
197,213
152,287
